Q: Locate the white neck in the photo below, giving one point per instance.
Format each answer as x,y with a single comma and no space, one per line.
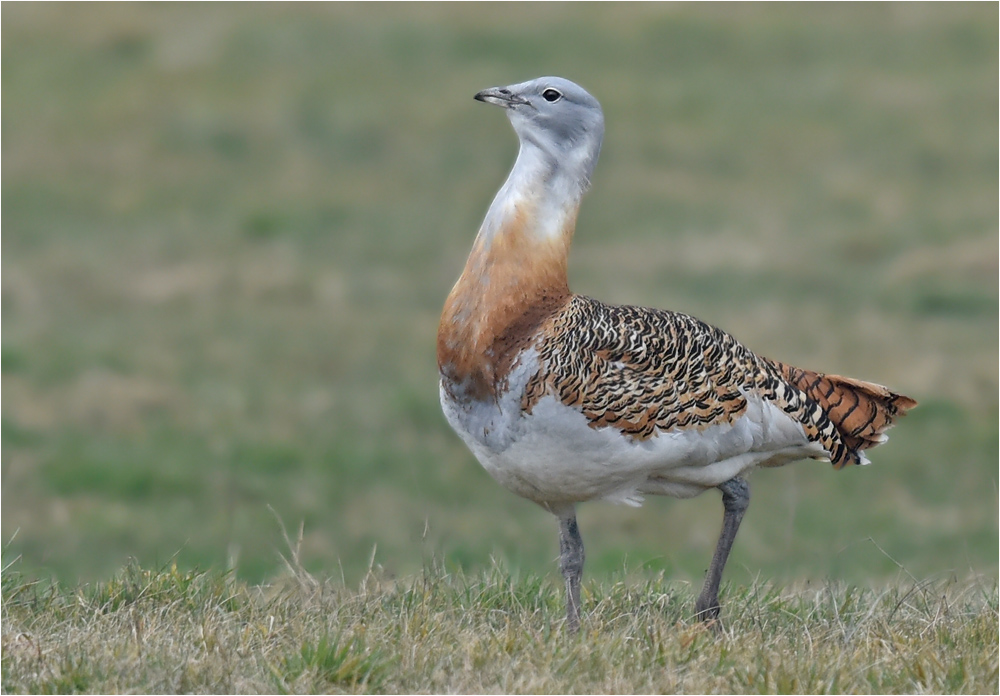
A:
541,186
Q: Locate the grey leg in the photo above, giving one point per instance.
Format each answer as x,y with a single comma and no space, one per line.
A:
571,565
735,499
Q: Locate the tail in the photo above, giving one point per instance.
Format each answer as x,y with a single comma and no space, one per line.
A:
860,411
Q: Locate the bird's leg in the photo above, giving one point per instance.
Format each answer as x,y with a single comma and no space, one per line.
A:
571,565
735,499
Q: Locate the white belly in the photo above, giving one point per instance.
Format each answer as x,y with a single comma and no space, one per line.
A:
554,456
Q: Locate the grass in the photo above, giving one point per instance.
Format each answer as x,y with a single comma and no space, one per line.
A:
169,631
228,233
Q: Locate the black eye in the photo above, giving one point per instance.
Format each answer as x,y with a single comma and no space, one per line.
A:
552,95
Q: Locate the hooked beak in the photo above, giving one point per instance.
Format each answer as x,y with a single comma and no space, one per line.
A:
501,96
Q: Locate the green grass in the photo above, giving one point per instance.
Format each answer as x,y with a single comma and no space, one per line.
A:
169,631
228,233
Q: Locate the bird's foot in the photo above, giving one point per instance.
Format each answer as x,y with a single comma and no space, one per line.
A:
707,611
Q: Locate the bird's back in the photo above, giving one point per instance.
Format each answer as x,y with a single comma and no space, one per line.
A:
646,372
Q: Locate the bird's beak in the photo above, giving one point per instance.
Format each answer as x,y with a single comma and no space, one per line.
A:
501,96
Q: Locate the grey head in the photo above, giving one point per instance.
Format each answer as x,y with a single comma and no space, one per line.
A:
556,116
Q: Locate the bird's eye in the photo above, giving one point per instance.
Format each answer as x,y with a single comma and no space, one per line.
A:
552,95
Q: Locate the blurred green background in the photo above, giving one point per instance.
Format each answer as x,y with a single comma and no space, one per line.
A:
228,231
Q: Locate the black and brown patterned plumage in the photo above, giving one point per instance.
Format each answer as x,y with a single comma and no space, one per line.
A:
643,370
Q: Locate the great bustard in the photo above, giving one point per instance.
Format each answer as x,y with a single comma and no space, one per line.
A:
565,399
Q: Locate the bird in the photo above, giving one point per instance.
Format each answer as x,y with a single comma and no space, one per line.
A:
565,399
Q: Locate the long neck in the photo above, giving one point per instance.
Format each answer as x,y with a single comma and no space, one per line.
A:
537,204
515,275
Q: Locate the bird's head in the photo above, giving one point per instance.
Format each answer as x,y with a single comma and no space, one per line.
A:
558,116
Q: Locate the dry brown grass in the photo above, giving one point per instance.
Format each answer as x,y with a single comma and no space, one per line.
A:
169,631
